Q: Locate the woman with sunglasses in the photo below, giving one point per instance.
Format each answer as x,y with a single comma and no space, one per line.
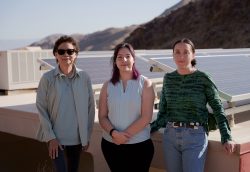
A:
66,107
183,111
125,110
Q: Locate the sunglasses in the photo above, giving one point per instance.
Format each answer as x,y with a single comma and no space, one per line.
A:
69,51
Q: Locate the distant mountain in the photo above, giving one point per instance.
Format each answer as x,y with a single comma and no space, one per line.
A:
209,23
15,43
106,39
175,7
49,41
102,40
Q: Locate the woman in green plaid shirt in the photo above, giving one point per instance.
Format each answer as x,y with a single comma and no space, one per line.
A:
183,111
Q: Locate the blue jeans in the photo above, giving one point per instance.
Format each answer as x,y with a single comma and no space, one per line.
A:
185,149
68,159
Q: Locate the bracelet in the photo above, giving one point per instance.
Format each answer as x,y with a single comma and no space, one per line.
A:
111,131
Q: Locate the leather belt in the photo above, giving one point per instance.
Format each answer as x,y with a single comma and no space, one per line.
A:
193,125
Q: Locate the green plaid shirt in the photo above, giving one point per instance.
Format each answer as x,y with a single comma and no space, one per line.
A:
184,99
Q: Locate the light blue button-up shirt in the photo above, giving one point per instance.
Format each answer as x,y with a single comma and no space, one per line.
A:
52,101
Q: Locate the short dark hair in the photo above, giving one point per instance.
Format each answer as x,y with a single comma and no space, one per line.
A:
66,38
186,41
115,72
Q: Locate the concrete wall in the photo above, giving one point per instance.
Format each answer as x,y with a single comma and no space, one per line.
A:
25,152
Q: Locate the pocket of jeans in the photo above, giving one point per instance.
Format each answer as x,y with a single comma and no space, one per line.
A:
198,141
200,130
197,137
166,130
169,126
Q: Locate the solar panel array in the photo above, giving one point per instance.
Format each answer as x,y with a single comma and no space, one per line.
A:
229,70
99,68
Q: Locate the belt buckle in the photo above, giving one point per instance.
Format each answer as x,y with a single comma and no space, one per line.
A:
174,126
194,125
197,124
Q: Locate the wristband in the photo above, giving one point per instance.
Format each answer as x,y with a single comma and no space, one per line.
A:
111,131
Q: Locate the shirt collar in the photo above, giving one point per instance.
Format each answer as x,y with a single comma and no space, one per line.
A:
58,72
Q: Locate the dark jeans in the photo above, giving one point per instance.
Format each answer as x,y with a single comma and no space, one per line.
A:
128,157
68,159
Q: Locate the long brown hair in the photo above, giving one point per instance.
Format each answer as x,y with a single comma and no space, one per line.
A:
115,72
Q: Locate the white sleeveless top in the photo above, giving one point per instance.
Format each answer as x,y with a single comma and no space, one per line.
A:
124,107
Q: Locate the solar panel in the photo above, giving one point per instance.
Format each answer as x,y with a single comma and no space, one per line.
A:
230,72
99,68
229,68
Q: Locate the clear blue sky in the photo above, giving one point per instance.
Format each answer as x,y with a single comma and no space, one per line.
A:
36,19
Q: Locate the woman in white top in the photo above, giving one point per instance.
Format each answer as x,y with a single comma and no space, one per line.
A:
125,111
